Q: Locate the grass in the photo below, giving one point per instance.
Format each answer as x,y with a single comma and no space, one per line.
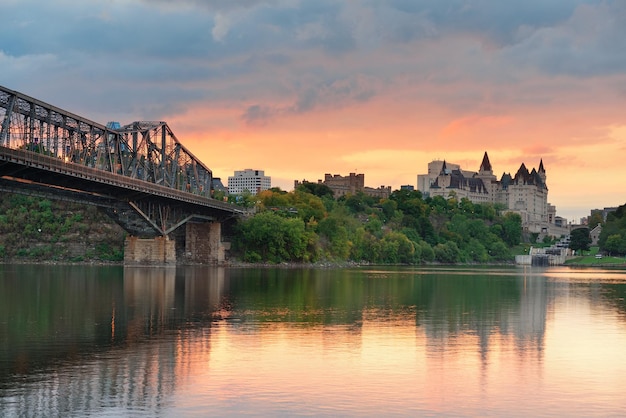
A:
591,260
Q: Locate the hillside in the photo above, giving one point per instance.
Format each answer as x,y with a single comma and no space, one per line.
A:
36,229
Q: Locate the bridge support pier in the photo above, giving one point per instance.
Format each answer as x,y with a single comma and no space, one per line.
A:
159,250
203,243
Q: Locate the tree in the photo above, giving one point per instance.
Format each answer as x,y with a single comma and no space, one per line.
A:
358,202
614,244
317,189
389,209
512,228
447,253
427,253
580,239
595,219
271,237
397,248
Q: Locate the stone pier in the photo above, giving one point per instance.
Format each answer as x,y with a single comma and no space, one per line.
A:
159,250
203,243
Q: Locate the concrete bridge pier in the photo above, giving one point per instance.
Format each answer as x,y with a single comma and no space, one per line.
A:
203,243
159,250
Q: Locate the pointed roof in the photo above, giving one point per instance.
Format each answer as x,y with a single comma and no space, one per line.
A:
541,169
485,165
523,176
444,168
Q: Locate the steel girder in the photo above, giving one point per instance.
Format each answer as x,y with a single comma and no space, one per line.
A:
145,151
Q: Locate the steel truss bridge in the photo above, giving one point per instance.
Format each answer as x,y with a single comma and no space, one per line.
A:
139,173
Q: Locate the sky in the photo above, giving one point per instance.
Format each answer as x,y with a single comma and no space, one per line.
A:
300,88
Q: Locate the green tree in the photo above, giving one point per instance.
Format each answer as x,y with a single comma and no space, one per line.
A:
580,239
476,251
447,253
318,189
427,252
397,248
389,208
498,250
335,230
512,229
273,238
365,246
614,244
374,226
359,202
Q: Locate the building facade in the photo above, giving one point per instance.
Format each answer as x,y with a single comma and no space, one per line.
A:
525,193
351,184
254,181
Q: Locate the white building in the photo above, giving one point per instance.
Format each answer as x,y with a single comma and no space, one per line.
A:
254,181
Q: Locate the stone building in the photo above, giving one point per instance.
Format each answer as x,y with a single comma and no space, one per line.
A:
351,184
594,234
525,193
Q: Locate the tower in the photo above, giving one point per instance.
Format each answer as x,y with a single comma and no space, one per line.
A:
542,172
485,166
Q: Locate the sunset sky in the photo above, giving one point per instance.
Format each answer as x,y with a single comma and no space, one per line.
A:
303,88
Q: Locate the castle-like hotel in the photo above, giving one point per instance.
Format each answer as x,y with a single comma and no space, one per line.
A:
525,193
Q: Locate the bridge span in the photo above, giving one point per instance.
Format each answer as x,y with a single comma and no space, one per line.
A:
140,174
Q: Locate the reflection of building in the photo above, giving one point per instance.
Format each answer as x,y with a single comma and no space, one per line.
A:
525,193
511,317
528,320
254,181
351,184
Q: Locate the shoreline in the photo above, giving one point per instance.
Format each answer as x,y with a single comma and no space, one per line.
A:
288,265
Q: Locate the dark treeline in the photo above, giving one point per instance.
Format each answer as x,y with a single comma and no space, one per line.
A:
309,225
612,239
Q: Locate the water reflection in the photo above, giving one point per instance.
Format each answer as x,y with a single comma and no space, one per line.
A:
190,340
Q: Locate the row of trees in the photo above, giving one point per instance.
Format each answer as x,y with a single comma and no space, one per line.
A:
612,239
613,236
309,225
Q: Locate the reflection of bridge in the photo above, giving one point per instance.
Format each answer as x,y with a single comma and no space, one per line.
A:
140,174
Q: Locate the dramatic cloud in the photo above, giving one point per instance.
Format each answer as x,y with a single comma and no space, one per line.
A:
299,88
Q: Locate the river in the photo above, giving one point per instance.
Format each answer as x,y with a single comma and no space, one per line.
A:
109,341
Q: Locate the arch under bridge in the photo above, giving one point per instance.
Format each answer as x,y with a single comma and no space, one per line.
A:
140,174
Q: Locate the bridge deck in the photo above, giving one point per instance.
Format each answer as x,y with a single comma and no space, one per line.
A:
14,161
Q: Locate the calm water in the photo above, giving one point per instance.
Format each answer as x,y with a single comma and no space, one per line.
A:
172,342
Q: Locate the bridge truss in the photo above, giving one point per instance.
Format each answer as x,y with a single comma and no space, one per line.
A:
147,151
142,167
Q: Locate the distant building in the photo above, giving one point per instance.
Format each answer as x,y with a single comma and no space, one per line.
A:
594,234
525,193
351,184
604,212
408,187
343,185
254,181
